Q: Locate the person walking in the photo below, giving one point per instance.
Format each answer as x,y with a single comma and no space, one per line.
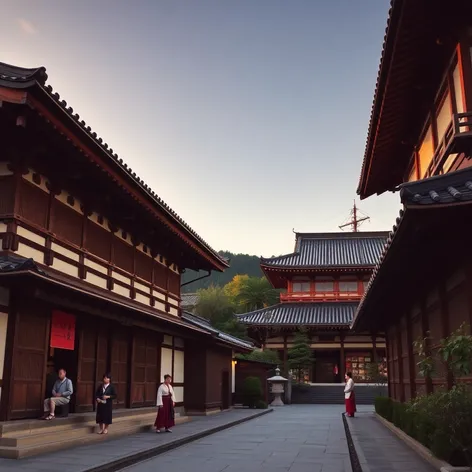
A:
349,395
165,404
105,395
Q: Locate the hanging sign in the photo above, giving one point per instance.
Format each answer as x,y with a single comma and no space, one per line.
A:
62,330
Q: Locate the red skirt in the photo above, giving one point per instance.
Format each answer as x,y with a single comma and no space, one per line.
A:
164,418
351,404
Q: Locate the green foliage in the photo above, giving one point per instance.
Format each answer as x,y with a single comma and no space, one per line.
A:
255,293
300,355
441,421
426,362
384,407
375,373
261,405
239,264
252,391
271,357
456,351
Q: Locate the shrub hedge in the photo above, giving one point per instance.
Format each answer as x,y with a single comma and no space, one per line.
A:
252,391
441,421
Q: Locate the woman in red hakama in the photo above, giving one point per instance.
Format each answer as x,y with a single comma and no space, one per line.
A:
165,404
349,396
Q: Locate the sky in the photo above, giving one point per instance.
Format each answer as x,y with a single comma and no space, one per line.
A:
248,117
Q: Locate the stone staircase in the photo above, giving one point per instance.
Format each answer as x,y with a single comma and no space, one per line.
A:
334,394
19,439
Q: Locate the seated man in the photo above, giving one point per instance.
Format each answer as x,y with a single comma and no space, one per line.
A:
61,393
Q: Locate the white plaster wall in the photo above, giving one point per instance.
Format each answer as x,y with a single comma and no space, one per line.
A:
178,367
166,362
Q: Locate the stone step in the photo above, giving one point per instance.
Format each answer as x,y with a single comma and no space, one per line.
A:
29,444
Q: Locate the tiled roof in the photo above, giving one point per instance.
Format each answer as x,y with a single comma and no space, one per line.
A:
323,250
205,324
305,314
189,299
12,263
453,187
18,77
449,189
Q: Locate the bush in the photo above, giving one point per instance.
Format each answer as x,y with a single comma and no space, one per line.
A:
441,421
261,405
384,407
252,391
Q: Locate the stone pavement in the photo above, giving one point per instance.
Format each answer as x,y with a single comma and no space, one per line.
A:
379,450
107,451
296,438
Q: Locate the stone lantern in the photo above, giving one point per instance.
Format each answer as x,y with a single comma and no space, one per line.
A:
277,384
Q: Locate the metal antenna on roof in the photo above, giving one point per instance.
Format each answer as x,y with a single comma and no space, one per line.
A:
355,221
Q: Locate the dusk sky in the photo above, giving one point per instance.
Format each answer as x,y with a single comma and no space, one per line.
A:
248,117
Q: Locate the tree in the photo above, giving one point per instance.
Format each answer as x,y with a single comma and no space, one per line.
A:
256,293
214,305
266,355
233,288
300,356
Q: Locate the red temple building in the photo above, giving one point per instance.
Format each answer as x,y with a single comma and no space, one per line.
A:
420,144
323,281
90,268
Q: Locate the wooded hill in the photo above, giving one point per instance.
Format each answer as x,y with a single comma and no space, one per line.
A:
240,264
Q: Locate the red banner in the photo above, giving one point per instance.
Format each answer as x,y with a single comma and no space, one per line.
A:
62,330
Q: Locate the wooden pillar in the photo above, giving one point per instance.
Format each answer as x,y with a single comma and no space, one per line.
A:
425,335
389,373
374,348
398,336
411,357
445,328
285,360
342,367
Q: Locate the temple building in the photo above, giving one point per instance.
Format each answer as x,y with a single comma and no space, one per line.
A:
90,268
420,144
323,281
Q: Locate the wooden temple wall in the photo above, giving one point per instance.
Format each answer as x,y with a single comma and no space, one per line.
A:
54,230
138,359
433,316
4,303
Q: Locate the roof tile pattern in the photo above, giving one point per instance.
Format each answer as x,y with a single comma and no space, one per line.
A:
307,314
333,250
18,77
453,187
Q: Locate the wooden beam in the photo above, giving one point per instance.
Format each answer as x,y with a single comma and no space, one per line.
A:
398,336
445,329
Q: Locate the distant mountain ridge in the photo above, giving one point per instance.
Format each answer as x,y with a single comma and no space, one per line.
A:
240,264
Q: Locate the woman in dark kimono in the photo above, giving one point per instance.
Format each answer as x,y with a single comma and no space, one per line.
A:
165,404
105,395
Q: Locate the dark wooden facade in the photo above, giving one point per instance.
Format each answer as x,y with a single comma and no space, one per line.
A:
424,147
81,233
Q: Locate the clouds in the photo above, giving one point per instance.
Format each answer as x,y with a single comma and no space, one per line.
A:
26,26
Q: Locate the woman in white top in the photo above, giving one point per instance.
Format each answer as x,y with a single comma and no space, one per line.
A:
165,404
349,395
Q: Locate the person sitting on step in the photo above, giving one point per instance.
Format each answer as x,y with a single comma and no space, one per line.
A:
61,393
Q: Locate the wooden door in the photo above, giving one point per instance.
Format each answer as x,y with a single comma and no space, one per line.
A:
30,350
119,364
85,388
225,390
325,370
102,364
144,368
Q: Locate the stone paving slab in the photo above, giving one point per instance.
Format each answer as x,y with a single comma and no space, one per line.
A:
380,450
296,438
107,454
